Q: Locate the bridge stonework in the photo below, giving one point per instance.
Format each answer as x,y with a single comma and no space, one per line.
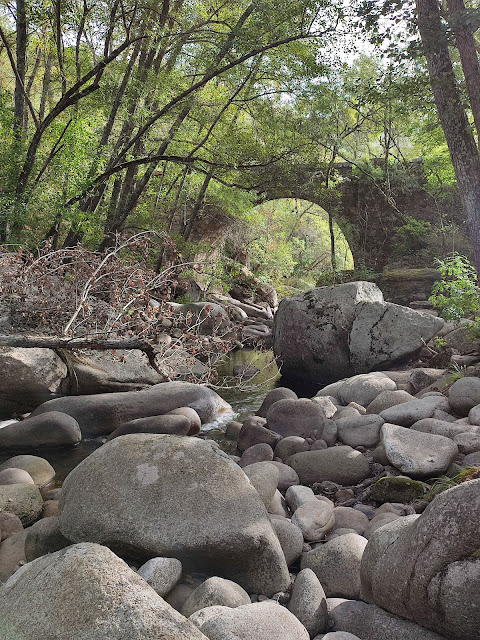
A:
372,212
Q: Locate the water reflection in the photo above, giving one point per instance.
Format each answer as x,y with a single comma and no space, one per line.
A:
245,395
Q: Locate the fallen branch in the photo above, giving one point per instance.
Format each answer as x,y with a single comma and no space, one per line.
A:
55,342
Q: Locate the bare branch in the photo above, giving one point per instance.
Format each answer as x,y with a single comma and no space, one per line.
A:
53,152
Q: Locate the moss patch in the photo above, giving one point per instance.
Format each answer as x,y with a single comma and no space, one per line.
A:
397,489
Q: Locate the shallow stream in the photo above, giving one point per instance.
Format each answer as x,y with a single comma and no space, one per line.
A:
245,395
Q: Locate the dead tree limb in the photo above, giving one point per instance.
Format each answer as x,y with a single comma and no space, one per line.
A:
55,342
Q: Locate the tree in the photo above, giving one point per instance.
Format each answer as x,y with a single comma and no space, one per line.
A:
154,87
456,126
461,22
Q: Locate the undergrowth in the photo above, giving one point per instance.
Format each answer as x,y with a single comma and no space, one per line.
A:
447,482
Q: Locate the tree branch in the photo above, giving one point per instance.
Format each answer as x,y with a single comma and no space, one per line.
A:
209,76
11,59
187,160
55,342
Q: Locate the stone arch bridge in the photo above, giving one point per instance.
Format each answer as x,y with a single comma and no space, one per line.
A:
371,213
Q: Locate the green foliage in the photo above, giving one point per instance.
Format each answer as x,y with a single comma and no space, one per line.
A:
297,108
448,482
457,294
412,236
289,239
456,372
439,342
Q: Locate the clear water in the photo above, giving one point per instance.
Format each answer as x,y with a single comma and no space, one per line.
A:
245,395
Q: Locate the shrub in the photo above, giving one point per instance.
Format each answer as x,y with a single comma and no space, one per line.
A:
457,294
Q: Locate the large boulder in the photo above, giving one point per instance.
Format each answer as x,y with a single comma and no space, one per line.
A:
370,622
308,602
44,537
290,537
162,574
39,469
407,413
298,495
337,464
337,565
422,378
418,454
215,592
384,333
443,428
364,388
290,445
15,476
104,372
24,500
264,477
261,452
181,497
29,377
311,330
302,418
45,431
464,394
252,433
12,557
387,399
280,393
287,476
429,571
397,489
314,519
323,334
85,591
102,413
173,424
349,518
360,430
378,543
11,524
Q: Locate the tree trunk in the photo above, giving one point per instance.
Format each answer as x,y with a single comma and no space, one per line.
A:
132,190
55,342
21,46
331,230
468,56
194,215
46,83
455,124
333,253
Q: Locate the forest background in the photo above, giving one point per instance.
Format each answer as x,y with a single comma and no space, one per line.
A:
120,117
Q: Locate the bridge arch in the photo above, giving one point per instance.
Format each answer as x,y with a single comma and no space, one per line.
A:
295,233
